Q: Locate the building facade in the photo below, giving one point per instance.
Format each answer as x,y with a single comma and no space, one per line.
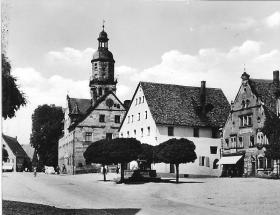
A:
159,112
244,143
89,120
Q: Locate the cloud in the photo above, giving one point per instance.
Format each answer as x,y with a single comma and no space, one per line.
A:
273,20
40,90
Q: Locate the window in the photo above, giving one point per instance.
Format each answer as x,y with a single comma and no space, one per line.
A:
233,141
227,143
131,118
128,119
121,134
268,161
88,136
101,118
138,116
128,134
100,91
170,131
146,114
245,120
109,136
261,163
252,141
149,131
243,104
247,103
240,142
201,160
141,132
134,133
196,132
136,101
139,100
143,99
117,118
213,149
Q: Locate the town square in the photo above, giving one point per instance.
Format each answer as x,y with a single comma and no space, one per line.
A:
143,107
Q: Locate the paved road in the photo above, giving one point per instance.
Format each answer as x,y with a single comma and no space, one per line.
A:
194,196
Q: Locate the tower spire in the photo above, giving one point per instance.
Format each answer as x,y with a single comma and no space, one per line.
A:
103,22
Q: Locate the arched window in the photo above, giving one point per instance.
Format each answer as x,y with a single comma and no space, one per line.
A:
215,165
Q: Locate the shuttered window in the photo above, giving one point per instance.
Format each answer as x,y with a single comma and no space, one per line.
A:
207,162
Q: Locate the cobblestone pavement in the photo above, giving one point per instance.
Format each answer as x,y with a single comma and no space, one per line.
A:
192,196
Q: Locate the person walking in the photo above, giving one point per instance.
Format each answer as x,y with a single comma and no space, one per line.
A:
35,171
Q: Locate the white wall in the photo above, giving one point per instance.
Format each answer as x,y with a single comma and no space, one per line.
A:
143,123
202,149
12,157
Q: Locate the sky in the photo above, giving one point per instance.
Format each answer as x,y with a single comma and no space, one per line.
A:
50,45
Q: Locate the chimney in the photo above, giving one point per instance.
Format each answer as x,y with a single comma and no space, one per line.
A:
203,97
126,104
276,78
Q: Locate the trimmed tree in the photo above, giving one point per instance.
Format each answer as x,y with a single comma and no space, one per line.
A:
98,152
176,151
124,150
147,154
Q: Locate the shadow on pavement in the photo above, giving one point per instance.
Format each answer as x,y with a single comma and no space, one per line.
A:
170,181
18,208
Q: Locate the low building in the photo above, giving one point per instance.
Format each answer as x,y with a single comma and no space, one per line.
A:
16,156
90,120
159,112
244,143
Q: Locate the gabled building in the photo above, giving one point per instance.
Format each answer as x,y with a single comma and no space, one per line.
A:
89,120
244,143
17,157
159,112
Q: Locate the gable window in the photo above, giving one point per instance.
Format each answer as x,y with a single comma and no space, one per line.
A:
88,136
247,103
227,143
134,133
128,134
213,149
245,120
196,132
117,118
121,134
139,100
138,116
128,119
146,114
136,101
131,118
243,104
101,118
233,141
141,132
170,131
252,141
143,99
240,142
109,136
149,131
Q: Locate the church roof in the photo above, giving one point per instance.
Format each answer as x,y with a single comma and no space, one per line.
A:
266,91
103,54
179,105
14,146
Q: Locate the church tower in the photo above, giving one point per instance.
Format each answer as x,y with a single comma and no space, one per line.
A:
102,79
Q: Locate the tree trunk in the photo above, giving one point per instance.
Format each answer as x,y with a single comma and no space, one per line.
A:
122,172
104,172
177,172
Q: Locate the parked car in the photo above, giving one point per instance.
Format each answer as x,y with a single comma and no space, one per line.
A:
49,170
7,167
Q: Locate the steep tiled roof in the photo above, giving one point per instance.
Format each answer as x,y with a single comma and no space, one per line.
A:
14,146
265,90
179,105
81,105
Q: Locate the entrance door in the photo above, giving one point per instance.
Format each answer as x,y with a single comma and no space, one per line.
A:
253,168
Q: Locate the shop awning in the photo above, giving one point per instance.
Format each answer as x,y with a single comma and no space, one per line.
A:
229,160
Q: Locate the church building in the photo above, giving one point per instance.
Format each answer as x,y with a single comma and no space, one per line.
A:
89,120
